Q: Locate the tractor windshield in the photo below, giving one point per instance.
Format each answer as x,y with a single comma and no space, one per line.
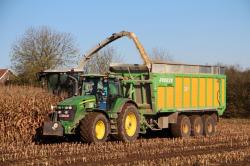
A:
93,86
101,87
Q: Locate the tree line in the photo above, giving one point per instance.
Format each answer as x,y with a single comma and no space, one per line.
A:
238,92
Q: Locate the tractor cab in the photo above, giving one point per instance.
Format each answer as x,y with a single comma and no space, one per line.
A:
103,87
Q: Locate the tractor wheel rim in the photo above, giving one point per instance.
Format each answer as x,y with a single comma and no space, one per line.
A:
100,129
185,128
130,124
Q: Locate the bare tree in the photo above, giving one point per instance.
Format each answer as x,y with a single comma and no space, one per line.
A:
42,48
100,62
160,54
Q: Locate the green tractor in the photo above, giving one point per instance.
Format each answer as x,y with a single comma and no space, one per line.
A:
94,112
132,99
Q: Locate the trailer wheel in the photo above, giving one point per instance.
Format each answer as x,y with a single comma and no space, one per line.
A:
94,127
209,125
196,125
182,128
128,123
215,117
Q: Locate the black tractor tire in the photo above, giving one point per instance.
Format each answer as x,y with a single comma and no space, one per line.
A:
130,115
215,117
182,128
38,137
88,126
208,125
196,125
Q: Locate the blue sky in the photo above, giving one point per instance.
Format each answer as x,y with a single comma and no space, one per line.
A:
196,32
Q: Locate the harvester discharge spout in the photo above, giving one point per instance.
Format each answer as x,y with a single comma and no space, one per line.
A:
112,38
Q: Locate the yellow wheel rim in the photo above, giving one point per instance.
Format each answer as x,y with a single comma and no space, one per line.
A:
210,128
100,129
185,128
130,124
197,128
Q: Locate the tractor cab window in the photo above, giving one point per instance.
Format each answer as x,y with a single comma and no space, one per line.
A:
114,89
94,86
88,87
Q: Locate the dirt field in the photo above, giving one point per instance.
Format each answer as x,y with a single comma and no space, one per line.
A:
230,145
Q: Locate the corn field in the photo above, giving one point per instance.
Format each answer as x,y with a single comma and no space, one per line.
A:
22,109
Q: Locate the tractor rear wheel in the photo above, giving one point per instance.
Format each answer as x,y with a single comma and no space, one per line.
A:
209,125
128,123
196,125
182,128
94,127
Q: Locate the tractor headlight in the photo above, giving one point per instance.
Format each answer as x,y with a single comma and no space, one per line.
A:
52,107
90,105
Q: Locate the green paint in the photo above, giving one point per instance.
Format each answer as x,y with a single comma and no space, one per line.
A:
143,91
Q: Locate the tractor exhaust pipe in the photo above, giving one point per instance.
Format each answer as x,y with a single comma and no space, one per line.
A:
76,85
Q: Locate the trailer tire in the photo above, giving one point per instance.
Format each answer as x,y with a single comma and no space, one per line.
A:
128,123
209,125
196,125
215,117
182,128
94,127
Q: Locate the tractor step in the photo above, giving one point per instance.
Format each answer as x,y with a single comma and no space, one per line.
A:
114,133
154,129
113,126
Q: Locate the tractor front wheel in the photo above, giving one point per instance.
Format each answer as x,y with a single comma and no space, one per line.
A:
128,123
94,127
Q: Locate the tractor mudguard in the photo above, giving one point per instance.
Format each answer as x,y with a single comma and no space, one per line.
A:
118,104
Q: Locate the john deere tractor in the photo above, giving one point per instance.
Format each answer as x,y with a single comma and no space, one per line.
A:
93,113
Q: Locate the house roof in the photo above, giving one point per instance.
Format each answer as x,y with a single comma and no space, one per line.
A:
3,72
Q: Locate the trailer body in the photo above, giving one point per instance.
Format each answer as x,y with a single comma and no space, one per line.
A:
176,87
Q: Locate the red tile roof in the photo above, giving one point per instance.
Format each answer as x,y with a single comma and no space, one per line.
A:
2,72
